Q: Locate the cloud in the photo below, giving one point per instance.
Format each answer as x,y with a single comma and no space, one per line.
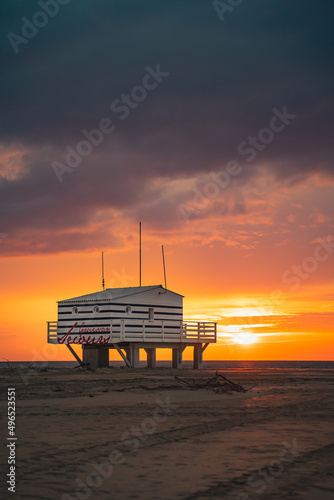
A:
225,79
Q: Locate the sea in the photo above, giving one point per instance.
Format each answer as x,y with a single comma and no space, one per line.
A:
213,365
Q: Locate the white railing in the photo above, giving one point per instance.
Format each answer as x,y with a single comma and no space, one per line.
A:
128,330
124,330
163,331
200,331
52,332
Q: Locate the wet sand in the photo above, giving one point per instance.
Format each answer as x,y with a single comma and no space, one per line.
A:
134,434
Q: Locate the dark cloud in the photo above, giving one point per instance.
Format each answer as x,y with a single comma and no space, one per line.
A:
225,79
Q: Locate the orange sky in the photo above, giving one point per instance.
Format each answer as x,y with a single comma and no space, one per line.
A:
216,133
259,316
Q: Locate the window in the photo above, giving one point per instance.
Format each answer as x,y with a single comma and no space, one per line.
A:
96,309
128,310
75,310
150,314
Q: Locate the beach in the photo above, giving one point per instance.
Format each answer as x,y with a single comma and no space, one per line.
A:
119,433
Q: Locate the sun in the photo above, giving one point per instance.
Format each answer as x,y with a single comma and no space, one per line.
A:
245,338
238,335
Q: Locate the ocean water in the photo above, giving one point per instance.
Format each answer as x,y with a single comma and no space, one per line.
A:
214,365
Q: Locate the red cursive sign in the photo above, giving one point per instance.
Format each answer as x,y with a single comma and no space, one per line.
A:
82,339
101,329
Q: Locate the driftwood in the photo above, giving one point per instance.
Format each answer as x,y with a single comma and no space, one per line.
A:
219,383
84,366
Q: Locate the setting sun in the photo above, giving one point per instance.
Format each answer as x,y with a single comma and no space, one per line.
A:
245,338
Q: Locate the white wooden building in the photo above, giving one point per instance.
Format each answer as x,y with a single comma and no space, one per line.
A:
128,319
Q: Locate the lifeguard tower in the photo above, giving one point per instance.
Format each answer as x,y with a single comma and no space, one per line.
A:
127,320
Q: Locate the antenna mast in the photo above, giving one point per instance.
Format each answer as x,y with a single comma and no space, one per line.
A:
163,261
102,272
139,253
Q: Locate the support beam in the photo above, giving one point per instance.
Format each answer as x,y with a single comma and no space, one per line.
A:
204,347
134,356
96,357
120,352
70,348
151,357
103,357
198,357
177,358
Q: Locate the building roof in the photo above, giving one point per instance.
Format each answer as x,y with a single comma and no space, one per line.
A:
114,293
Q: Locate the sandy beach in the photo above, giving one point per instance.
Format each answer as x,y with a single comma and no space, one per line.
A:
117,433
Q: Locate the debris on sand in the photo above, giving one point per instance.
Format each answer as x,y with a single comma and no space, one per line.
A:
219,383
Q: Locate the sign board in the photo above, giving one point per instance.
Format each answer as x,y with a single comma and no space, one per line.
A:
82,334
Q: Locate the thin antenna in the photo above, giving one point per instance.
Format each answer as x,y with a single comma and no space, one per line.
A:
163,261
102,272
139,253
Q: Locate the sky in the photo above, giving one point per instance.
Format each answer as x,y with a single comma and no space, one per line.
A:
209,122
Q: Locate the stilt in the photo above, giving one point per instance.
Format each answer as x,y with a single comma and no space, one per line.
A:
133,356
177,358
103,358
151,357
96,357
198,357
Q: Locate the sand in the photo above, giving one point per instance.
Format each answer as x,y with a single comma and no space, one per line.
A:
96,434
